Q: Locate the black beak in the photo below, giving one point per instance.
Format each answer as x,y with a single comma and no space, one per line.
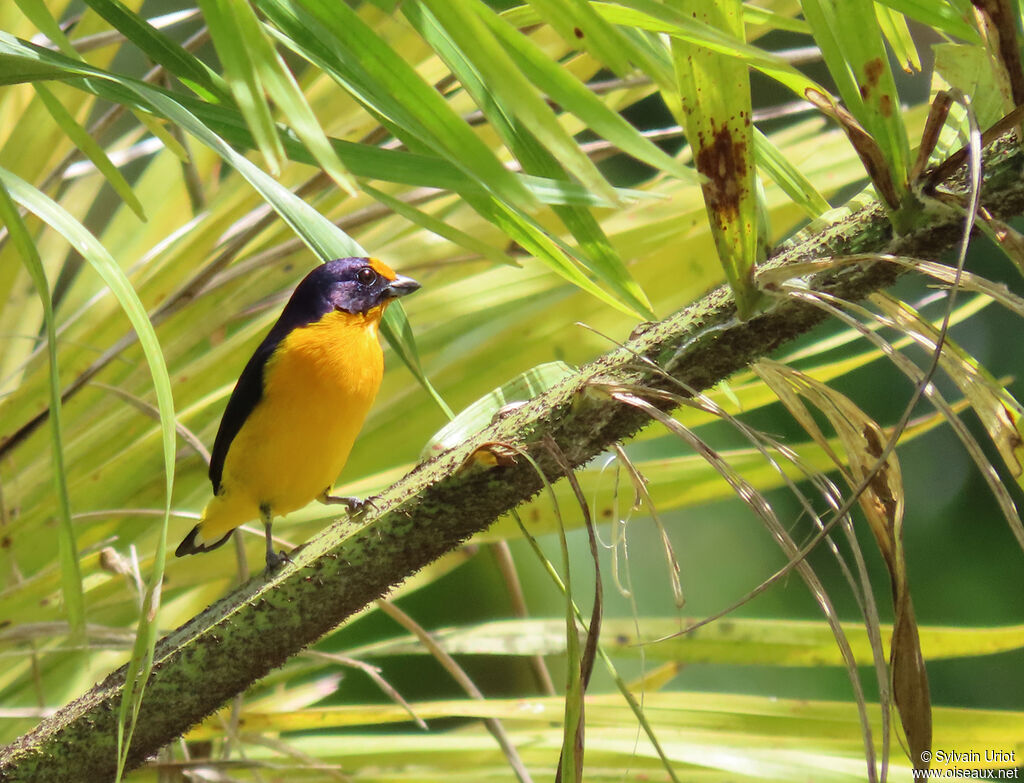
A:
401,286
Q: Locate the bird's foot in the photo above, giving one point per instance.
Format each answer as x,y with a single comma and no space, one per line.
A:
356,506
274,561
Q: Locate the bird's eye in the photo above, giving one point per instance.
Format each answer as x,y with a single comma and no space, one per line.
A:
366,276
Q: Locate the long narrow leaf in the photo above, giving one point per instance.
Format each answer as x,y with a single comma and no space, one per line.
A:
162,49
387,85
90,149
234,47
104,265
71,575
462,19
714,91
21,62
282,88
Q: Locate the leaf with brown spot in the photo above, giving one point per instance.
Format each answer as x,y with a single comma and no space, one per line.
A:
864,144
848,34
714,92
580,25
882,501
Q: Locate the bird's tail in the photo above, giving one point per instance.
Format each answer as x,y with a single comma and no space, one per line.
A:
220,518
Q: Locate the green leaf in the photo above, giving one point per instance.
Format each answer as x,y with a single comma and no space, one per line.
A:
764,20
714,91
282,88
163,50
463,21
663,18
717,737
387,85
156,127
437,226
939,14
104,265
847,32
576,98
894,27
397,331
970,70
535,241
40,16
480,413
235,46
21,62
91,149
737,641
787,176
71,575
579,26
597,253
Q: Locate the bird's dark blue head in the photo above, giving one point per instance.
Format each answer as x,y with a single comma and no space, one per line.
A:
352,285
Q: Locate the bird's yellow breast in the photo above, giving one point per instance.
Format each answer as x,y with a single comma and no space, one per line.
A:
318,386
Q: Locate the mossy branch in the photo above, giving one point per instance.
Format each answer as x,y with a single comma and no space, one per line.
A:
436,507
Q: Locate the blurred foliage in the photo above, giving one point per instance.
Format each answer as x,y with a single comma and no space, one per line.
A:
171,173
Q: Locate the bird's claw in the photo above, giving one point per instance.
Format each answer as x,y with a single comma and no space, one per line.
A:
275,560
356,506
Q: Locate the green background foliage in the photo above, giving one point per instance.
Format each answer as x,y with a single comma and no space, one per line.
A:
170,174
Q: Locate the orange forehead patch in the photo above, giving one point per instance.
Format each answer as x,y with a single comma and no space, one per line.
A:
382,269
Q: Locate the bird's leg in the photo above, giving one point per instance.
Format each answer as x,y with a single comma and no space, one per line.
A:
355,506
274,559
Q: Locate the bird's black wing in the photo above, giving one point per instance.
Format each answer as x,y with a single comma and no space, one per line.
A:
246,396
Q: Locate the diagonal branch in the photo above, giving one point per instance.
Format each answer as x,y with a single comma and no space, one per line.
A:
437,506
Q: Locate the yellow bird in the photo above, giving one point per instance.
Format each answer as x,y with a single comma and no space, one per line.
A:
300,402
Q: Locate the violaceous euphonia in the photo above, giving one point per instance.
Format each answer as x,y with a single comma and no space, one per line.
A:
300,402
